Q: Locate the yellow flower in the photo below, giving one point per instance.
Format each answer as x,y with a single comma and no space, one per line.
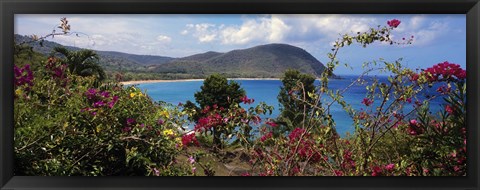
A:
165,114
178,140
168,132
18,92
132,94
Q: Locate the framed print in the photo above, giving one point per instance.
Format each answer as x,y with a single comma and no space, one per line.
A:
239,95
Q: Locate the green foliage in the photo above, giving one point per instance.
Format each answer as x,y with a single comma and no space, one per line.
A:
82,62
62,130
216,89
294,109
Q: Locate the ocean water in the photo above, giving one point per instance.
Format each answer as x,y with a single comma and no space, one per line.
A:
267,91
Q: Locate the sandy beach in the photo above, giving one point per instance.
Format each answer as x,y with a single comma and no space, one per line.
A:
187,80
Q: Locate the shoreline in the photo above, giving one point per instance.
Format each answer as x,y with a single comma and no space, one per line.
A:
133,82
186,80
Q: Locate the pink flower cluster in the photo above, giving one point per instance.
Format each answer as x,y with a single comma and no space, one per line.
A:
266,137
305,148
99,99
189,139
130,123
393,23
206,123
246,100
23,75
271,123
367,101
381,170
348,162
414,128
57,71
445,71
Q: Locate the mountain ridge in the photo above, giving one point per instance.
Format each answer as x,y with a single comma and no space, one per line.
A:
262,61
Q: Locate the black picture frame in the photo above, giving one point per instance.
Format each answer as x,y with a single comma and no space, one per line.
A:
8,8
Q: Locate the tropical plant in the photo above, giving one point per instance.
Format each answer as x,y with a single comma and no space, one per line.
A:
294,111
82,62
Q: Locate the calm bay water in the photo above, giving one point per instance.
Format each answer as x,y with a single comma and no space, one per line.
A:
267,91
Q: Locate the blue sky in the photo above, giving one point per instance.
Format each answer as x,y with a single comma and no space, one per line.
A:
437,38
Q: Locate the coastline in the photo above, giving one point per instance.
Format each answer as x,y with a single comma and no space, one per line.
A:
186,80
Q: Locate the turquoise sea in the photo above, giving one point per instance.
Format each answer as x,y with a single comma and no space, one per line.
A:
267,91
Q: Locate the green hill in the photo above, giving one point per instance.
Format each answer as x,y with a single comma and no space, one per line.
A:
262,61
109,60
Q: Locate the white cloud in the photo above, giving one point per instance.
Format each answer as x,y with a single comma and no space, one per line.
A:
204,32
164,39
424,31
430,33
207,37
265,29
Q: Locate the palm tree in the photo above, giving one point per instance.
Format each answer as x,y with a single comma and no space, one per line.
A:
82,62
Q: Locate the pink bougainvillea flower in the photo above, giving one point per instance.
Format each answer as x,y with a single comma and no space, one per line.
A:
367,101
131,121
266,137
190,139
393,23
246,174
390,167
246,100
449,109
445,71
271,123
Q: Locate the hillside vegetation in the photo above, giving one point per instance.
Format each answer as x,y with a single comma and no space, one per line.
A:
264,61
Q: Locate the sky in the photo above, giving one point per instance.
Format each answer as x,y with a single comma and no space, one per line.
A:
437,38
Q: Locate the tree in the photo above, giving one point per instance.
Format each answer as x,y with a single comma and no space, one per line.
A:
294,99
82,62
216,91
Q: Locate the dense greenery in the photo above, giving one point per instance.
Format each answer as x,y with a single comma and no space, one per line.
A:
265,61
69,123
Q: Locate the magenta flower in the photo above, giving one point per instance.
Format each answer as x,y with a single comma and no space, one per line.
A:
376,171
189,139
390,167
246,100
367,101
271,123
160,122
246,174
91,93
98,104
127,129
131,121
409,100
23,75
449,109
105,94
191,160
338,173
113,102
445,71
414,77
393,23
156,172
266,137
